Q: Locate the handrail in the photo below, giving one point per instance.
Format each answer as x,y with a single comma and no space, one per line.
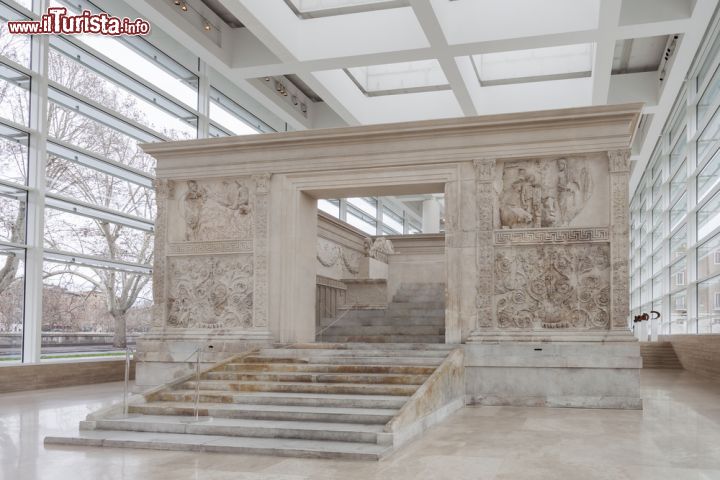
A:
350,307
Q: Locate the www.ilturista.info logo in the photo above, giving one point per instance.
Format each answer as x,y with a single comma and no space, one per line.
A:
57,21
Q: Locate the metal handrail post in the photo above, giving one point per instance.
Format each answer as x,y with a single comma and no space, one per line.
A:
127,381
197,383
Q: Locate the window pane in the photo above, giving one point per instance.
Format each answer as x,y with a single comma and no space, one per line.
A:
91,186
678,211
657,191
13,203
79,78
678,244
709,96
360,223
708,217
708,176
13,155
657,262
707,139
678,275
657,286
678,152
646,292
708,257
709,306
14,95
366,204
12,292
657,236
89,134
76,318
139,56
14,47
677,184
232,117
83,235
331,207
678,313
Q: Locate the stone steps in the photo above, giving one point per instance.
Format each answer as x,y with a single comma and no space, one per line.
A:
379,416
329,400
659,355
287,398
313,377
302,387
326,368
336,432
388,329
383,338
386,321
225,444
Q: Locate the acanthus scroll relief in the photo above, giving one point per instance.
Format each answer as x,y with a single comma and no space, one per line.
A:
210,210
553,286
210,292
543,193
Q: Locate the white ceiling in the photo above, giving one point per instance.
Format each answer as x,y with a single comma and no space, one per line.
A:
279,39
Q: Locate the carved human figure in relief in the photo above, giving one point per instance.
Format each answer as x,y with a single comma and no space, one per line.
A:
543,193
194,201
235,197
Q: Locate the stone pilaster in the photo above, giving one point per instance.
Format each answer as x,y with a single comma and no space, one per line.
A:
619,238
164,191
485,251
261,248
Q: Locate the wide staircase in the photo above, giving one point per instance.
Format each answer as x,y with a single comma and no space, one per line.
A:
659,355
307,400
416,314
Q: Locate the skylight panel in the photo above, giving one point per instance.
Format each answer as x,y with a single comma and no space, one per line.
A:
326,8
533,65
397,78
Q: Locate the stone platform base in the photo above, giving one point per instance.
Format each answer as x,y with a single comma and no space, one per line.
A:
561,374
164,356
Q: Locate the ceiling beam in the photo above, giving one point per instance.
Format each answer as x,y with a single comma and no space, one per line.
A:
608,19
438,45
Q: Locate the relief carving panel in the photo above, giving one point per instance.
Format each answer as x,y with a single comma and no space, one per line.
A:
558,192
553,286
210,292
210,210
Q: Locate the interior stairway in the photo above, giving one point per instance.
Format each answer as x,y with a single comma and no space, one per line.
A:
659,355
308,400
415,315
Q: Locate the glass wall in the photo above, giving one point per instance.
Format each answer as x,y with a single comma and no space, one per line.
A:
675,210
375,215
75,185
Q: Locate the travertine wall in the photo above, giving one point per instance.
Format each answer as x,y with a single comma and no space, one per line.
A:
697,353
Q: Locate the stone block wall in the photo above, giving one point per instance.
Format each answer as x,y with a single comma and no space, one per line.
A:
697,353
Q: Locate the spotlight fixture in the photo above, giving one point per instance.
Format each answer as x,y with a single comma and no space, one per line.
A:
303,108
177,2
207,26
267,79
184,7
294,100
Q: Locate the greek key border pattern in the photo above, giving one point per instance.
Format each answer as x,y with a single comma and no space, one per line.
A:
210,248
564,235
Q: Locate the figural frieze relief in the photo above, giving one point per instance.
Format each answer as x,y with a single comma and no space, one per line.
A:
551,193
210,210
553,286
210,292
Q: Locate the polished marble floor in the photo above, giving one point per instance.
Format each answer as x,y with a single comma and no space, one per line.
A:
676,436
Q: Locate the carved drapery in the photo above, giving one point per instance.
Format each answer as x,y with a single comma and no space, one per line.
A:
484,253
261,248
619,230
